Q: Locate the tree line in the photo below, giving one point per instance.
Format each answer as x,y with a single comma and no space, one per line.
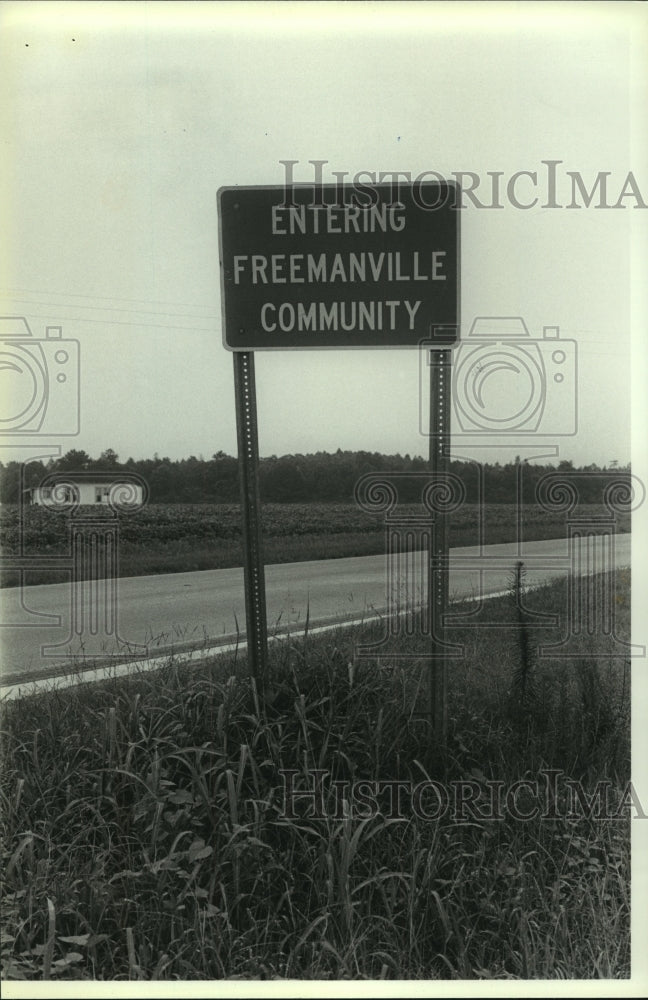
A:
320,477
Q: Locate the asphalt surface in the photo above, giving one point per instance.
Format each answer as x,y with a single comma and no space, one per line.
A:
45,627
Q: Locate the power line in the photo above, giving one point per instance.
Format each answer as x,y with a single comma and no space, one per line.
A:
55,305
109,298
583,345
117,322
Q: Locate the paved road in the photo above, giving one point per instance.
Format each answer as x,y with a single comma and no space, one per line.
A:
163,611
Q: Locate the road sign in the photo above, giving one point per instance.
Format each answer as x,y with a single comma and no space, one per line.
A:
336,267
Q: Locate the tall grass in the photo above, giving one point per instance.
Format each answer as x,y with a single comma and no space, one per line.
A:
146,835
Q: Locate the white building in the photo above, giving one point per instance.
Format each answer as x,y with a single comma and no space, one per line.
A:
88,491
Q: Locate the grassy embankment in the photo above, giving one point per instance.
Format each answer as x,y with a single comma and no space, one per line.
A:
172,538
145,838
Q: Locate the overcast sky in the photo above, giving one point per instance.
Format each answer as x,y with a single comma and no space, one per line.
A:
122,121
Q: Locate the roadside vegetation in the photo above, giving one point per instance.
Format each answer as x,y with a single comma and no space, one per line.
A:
174,538
145,832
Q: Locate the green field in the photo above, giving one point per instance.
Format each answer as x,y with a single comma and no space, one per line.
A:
146,834
172,538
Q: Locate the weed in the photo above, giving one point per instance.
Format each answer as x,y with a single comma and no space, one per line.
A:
146,834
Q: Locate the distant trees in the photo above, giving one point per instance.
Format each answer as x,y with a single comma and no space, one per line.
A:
10,479
74,461
316,477
108,459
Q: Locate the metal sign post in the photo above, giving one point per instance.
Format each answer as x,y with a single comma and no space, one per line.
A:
439,566
333,267
248,456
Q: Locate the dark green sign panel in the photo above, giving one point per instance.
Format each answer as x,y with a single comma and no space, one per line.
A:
339,267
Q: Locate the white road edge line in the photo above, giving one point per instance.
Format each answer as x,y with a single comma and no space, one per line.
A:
13,692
